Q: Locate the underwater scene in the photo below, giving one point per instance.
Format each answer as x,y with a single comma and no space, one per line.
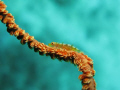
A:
88,26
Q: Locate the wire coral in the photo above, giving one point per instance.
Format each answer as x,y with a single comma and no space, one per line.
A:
84,63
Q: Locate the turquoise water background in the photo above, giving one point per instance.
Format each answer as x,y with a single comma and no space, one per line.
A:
93,26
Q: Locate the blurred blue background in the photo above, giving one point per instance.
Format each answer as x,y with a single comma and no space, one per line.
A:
92,26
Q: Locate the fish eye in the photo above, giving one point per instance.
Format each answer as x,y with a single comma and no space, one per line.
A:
52,43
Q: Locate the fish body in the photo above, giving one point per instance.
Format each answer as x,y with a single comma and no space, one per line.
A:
64,46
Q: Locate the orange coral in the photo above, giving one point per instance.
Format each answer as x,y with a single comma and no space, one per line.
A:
84,63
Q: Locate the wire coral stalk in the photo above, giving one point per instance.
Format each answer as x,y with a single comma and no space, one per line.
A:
84,63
